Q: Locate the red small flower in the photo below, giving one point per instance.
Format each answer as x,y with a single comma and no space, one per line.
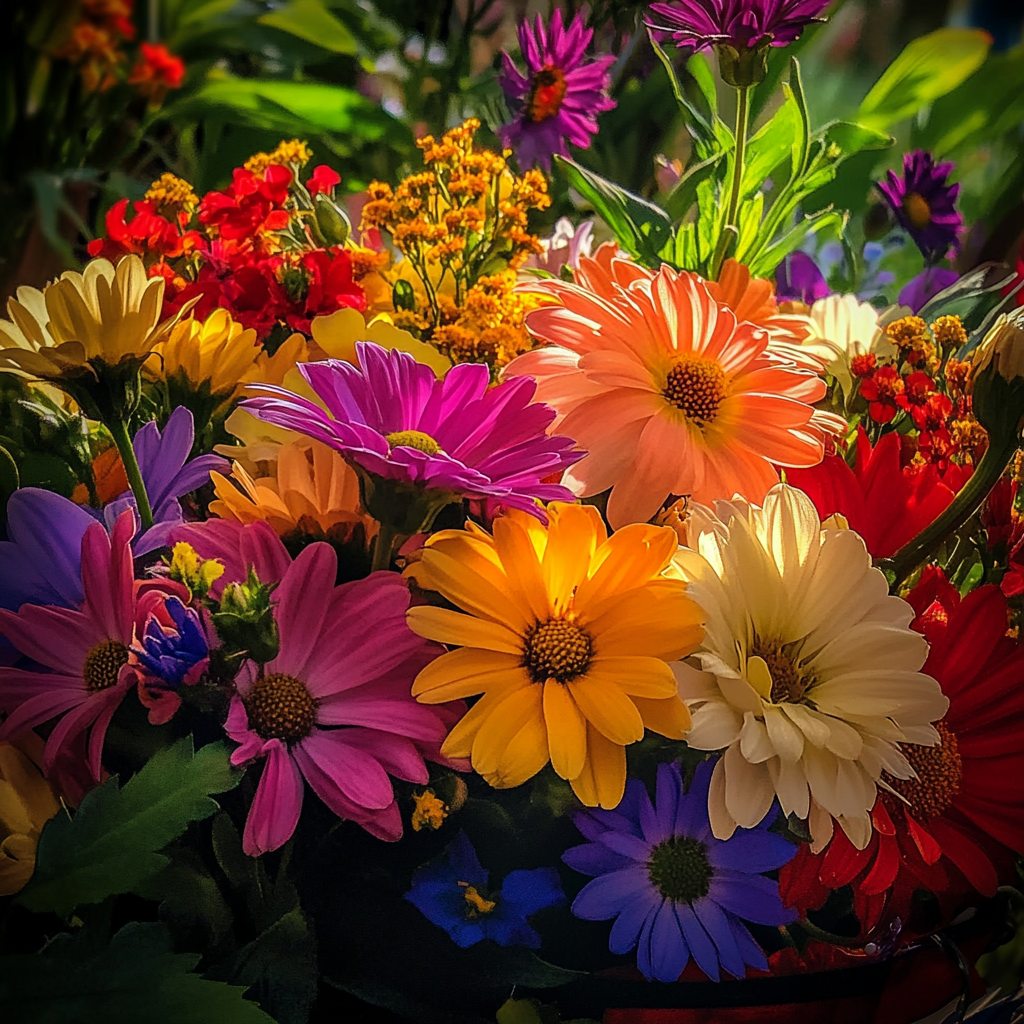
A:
864,365
330,288
147,234
323,179
250,207
157,71
881,390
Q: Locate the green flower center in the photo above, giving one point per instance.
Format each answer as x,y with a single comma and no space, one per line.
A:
696,386
281,707
557,649
679,869
103,665
413,439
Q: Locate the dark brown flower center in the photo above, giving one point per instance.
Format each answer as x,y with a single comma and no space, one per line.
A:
917,210
547,91
557,649
789,683
281,707
679,869
696,385
939,775
103,665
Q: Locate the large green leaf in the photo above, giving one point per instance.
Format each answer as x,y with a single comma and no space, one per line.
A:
311,21
136,978
927,68
778,140
112,843
640,227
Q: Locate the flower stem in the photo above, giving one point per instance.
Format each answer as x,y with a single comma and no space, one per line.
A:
992,466
382,547
119,431
742,117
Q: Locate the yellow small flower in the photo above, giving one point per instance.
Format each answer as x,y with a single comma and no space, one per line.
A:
429,811
196,573
173,195
27,803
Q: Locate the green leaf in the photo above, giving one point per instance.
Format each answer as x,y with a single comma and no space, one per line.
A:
640,227
977,298
137,977
310,20
928,68
778,140
684,195
697,123
852,137
10,480
766,261
111,844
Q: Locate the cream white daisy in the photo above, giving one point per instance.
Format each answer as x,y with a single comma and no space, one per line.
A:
809,677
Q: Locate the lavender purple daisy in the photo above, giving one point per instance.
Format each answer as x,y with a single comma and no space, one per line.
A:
699,24
798,279
393,418
674,890
924,203
559,97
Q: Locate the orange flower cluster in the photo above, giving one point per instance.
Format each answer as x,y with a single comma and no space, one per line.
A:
94,42
464,216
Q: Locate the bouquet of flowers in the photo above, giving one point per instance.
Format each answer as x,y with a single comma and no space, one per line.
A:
436,622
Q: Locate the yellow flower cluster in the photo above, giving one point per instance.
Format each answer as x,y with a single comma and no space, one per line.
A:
288,153
173,195
910,335
463,216
490,326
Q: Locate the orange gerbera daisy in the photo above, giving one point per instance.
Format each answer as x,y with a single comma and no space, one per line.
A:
668,391
567,634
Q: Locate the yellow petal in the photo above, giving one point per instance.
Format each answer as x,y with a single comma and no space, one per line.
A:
658,620
524,755
608,709
636,676
519,557
573,536
459,742
629,558
603,779
467,672
759,676
451,627
670,718
567,730
502,725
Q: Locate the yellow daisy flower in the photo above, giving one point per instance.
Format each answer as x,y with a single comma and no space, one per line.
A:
567,634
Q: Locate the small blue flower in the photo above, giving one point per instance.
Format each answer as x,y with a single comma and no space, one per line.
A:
171,655
675,890
452,893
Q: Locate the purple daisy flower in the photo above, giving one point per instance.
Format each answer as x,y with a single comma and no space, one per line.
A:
699,24
924,203
392,417
674,890
560,96
798,279
919,291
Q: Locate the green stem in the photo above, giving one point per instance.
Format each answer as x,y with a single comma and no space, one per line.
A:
119,431
382,547
992,466
742,117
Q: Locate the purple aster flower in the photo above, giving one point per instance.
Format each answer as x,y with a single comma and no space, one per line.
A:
675,890
168,474
919,291
798,279
699,24
397,421
924,203
453,894
560,96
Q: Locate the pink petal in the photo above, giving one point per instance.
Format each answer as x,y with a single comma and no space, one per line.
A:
397,755
107,577
278,802
73,723
302,601
41,708
333,765
99,732
18,685
237,728
403,717
32,631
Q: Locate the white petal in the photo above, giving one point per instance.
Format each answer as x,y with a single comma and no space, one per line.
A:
748,788
755,745
785,737
715,726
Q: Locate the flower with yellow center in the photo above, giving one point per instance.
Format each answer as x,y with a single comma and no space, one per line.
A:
809,677
315,492
27,803
566,632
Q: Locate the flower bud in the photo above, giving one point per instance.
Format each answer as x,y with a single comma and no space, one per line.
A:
997,379
332,221
743,67
403,296
245,622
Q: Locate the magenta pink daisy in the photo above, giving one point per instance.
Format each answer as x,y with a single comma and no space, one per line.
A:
84,654
334,708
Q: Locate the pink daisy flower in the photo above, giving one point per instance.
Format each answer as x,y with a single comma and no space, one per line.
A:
334,708
85,653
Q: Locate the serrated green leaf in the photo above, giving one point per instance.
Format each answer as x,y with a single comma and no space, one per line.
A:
311,21
928,67
135,978
111,844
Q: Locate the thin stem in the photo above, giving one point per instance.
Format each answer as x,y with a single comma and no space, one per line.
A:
119,431
964,505
382,547
742,117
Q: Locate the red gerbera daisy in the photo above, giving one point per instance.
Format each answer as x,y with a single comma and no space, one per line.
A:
950,831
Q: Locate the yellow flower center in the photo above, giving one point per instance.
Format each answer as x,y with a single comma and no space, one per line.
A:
773,674
917,210
413,439
281,707
696,386
476,904
679,869
939,775
429,811
103,664
547,92
557,649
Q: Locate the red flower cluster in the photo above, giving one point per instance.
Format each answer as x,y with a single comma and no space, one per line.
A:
952,829
253,248
156,71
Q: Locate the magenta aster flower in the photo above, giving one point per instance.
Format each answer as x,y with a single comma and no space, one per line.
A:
335,706
84,653
699,24
560,96
397,421
924,203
